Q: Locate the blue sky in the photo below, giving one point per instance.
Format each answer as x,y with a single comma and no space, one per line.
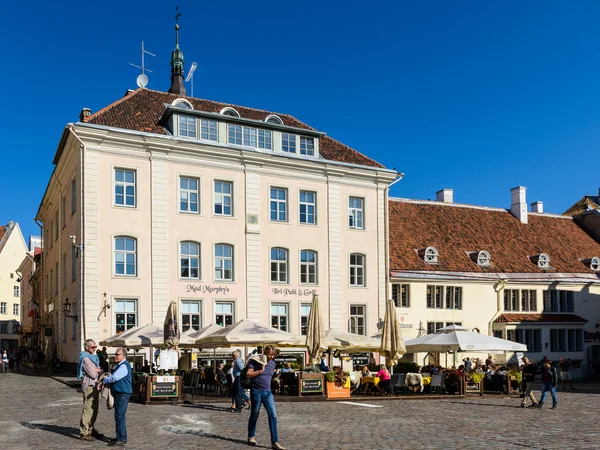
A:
470,95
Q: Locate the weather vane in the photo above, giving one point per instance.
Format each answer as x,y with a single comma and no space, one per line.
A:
177,14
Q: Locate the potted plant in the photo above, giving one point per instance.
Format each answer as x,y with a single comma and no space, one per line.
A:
474,382
338,383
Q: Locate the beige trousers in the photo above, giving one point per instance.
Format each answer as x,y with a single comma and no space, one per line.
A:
528,393
90,410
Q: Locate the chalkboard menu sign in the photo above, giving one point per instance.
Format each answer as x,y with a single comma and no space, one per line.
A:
311,385
164,387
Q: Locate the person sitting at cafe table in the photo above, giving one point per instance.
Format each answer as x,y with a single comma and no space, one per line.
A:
287,368
365,372
384,378
146,367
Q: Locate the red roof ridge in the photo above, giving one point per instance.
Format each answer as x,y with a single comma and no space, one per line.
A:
130,94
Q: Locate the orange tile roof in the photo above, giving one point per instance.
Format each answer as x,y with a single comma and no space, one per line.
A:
585,204
2,232
142,109
542,318
456,230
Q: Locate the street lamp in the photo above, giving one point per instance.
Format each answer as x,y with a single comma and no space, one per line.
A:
67,310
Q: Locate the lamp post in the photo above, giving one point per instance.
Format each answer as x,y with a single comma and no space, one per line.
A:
67,310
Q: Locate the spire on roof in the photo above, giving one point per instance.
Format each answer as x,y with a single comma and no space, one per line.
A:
177,84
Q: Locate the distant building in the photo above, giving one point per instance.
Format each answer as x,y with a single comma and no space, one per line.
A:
586,214
29,273
12,251
233,212
521,275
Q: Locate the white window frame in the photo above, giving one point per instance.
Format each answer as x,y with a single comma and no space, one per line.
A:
187,120
219,199
191,314
353,322
189,258
307,146
434,326
124,184
16,309
431,255
434,296
309,269
357,269
454,296
483,258
356,213
282,312
16,291
304,317
3,306
249,136
288,143
209,130
220,272
279,264
189,193
73,196
278,205
125,301
224,314
307,205
125,253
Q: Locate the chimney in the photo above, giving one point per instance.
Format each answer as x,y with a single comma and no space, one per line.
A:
445,195
84,114
537,207
518,206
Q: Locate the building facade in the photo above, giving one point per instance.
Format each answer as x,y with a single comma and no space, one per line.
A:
517,274
12,251
230,211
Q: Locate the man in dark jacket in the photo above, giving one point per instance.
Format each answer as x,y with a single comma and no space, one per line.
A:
529,372
549,382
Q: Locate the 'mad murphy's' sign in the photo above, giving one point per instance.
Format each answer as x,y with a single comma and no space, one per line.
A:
207,289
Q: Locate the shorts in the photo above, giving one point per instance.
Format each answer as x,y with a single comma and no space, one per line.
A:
565,376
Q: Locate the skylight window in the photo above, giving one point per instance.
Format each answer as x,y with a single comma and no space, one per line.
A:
543,261
272,118
229,111
183,104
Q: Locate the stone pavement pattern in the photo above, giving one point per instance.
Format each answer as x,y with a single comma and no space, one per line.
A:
38,412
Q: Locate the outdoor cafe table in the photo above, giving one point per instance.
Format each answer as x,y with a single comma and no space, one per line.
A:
369,383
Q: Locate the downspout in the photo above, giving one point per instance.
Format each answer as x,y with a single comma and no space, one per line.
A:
499,288
386,212
83,330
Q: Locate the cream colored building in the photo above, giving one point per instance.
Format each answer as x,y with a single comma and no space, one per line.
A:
12,251
230,211
517,274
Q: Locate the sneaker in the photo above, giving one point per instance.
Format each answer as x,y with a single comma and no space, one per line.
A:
277,446
252,442
247,406
115,443
553,406
533,405
234,410
87,437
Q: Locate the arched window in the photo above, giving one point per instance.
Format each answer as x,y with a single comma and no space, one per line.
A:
183,104
595,264
279,265
308,267
229,111
272,118
431,255
125,251
223,262
357,269
543,261
483,258
189,260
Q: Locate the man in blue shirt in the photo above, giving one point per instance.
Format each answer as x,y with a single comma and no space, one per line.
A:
261,369
238,392
121,381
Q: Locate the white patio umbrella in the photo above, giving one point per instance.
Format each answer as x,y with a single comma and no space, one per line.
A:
188,338
461,341
349,342
151,335
453,327
314,331
392,344
247,332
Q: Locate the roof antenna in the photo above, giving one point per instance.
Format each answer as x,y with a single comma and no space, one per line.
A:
142,79
190,75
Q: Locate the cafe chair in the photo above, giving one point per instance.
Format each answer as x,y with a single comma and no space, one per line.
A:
355,382
437,384
289,383
397,384
190,383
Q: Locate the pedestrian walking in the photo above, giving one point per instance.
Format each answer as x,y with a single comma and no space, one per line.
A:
4,361
121,386
260,370
565,366
11,359
529,372
88,372
549,383
238,393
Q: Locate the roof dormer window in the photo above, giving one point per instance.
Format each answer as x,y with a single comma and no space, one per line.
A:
595,264
229,111
542,260
183,104
483,258
272,118
430,255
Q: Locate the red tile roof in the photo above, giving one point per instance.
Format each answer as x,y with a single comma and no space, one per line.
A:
542,318
142,109
456,230
2,232
585,204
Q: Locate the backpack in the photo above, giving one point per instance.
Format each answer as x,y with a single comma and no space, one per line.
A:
246,382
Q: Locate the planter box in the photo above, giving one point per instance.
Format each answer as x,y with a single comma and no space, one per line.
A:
334,391
310,383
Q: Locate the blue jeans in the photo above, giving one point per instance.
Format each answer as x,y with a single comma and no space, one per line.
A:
263,397
238,393
548,387
121,402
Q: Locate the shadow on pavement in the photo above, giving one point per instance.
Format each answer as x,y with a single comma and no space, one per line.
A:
207,407
177,430
516,405
70,432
